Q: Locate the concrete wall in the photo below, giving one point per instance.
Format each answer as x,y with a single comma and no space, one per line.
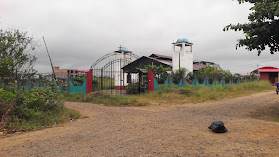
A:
186,58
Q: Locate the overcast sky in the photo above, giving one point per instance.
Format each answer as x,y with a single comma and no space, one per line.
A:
79,32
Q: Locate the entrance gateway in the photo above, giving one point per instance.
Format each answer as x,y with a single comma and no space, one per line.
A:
108,75
117,71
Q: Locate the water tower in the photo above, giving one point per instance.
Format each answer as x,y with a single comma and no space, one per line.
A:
182,56
122,58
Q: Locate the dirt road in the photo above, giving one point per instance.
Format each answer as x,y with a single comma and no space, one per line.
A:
177,130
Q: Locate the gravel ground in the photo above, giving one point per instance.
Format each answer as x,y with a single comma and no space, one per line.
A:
166,130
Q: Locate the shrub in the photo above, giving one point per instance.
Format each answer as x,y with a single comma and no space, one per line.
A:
133,88
34,108
177,75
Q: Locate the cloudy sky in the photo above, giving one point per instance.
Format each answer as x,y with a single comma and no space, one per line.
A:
79,32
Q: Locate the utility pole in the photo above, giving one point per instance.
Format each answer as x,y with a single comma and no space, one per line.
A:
49,57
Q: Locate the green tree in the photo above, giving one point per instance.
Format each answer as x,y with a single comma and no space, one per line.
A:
159,71
16,60
177,75
263,27
78,80
227,75
210,71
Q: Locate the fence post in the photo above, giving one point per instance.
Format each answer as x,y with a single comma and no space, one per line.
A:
102,79
169,78
183,78
150,80
195,79
68,82
89,81
237,80
205,80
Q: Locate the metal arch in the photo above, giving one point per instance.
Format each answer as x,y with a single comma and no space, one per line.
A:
102,58
114,61
135,56
109,55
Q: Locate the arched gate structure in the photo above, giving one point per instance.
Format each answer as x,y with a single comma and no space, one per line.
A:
108,75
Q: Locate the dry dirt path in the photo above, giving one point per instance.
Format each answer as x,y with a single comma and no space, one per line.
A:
177,130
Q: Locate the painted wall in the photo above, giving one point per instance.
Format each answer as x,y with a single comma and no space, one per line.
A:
264,76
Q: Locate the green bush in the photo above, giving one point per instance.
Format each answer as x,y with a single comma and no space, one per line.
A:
133,88
177,75
172,94
35,108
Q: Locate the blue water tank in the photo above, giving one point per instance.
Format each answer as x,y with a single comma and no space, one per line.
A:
183,40
122,49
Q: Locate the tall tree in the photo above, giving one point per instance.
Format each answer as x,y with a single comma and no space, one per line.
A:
262,30
16,59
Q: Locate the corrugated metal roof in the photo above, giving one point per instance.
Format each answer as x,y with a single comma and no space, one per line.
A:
162,61
170,57
267,69
163,56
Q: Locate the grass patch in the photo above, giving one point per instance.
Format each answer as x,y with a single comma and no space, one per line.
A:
173,95
43,119
104,98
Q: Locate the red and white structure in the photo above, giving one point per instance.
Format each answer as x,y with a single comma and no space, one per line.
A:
270,74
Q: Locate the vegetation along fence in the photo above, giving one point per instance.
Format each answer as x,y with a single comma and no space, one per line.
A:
143,81
65,84
194,80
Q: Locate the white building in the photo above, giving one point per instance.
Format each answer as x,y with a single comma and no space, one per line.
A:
182,55
122,58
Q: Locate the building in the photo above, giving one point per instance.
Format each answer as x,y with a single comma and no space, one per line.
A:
121,58
268,73
165,61
182,57
63,73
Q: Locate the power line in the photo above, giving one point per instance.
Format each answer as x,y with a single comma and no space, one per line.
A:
244,65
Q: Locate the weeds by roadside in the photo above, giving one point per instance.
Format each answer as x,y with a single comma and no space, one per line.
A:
36,108
173,95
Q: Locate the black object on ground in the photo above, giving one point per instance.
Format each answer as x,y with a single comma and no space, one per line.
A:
218,127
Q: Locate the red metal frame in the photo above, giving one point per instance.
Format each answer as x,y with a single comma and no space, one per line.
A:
89,81
150,80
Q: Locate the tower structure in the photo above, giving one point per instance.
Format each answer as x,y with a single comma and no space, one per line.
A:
182,56
122,58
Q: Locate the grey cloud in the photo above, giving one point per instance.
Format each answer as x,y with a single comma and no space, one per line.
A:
79,32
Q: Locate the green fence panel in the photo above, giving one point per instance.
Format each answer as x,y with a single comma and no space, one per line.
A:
77,89
168,81
156,85
194,82
180,83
